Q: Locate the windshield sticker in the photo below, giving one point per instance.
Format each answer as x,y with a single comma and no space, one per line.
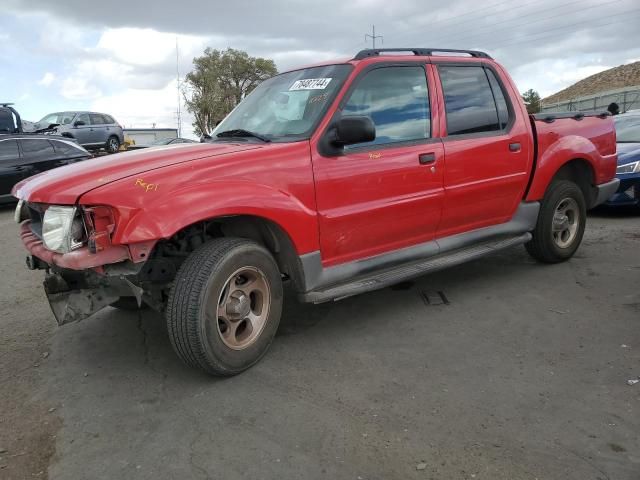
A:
310,84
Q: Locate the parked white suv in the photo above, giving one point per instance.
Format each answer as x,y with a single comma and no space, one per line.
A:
92,130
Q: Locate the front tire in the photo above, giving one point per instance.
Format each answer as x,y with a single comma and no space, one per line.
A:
224,307
561,223
113,144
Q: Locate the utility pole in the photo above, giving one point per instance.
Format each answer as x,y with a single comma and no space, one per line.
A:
178,89
373,36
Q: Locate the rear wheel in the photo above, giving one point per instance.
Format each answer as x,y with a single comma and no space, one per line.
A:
113,144
561,223
225,305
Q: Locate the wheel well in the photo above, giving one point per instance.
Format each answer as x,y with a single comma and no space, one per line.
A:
258,229
581,173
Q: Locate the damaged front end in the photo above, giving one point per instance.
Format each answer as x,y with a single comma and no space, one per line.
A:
74,296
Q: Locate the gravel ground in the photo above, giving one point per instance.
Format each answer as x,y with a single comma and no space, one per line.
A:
523,375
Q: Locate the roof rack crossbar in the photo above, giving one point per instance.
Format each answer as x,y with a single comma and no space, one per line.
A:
371,52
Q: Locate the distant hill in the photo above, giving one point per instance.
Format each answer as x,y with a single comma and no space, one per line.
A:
617,77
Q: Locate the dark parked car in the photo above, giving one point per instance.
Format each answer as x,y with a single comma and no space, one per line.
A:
161,142
628,171
24,155
92,130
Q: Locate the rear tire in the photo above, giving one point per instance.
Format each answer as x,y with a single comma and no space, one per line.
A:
561,223
225,305
113,144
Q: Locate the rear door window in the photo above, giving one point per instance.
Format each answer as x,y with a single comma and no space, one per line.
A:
500,98
8,150
469,100
397,100
64,148
36,148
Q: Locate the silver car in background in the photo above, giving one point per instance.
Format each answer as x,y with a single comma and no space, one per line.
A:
92,130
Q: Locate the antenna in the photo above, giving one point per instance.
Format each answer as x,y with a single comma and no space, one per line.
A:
373,36
178,88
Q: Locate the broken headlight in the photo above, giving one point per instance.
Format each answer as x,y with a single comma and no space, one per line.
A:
633,167
62,229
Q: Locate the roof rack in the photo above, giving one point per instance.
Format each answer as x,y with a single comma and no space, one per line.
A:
371,52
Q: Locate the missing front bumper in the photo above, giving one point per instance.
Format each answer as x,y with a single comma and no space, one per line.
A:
70,304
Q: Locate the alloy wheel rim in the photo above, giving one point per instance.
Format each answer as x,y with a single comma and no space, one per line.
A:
243,308
113,146
566,220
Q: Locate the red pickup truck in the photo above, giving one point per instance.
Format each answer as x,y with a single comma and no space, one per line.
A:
339,178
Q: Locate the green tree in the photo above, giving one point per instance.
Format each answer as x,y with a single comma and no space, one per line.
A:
532,99
219,81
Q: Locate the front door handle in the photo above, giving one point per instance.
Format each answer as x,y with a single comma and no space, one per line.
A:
514,147
427,158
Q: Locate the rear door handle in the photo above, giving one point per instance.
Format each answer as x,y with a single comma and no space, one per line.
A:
427,158
514,147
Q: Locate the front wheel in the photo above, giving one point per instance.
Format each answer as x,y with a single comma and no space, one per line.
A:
225,305
561,223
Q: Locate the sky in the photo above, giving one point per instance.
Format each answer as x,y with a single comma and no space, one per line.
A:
119,57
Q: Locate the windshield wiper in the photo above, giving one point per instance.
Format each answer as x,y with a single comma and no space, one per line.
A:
240,132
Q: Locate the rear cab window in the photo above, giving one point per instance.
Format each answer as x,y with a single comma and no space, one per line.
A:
474,100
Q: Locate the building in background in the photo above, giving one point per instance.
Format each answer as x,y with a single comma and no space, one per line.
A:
150,135
620,85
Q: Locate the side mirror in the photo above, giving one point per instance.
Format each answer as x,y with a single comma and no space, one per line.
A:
354,129
78,123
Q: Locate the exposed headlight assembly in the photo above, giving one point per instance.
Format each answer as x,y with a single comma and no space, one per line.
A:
62,229
633,167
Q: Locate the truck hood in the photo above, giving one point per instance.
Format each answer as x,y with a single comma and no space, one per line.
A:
65,185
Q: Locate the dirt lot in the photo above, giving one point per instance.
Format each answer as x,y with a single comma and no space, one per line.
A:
523,375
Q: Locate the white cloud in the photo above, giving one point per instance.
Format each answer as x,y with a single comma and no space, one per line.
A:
78,88
47,79
144,46
142,108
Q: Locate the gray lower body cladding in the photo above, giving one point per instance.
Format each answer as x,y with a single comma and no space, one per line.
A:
324,284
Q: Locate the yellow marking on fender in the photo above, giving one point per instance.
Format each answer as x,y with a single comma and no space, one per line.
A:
148,187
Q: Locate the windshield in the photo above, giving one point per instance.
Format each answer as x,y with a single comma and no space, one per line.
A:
288,106
628,129
63,118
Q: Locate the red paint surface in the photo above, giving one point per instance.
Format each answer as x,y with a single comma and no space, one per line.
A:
348,207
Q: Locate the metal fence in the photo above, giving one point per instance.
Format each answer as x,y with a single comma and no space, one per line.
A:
627,98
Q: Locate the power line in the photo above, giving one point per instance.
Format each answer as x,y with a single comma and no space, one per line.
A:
529,40
447,21
492,28
373,36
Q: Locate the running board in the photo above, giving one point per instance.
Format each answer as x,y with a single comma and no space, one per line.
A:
393,275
